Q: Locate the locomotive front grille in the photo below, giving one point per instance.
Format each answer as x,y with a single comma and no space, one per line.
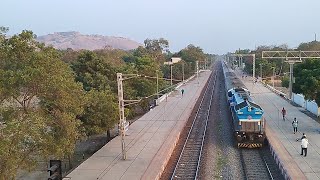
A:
250,126
249,145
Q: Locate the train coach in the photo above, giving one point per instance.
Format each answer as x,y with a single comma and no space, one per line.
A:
247,116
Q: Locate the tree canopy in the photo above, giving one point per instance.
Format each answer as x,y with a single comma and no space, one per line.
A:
39,104
307,79
49,98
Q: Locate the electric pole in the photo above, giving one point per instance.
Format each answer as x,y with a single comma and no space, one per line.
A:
205,63
290,78
273,76
171,74
121,113
182,71
253,62
157,84
197,69
261,71
254,66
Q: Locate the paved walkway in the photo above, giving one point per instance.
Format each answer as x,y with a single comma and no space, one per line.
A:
150,141
283,130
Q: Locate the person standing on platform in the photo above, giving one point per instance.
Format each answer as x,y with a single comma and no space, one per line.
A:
283,112
304,146
295,125
182,92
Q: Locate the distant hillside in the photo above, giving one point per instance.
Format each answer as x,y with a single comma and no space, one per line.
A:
77,41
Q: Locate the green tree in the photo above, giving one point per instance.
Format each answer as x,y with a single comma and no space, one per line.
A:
192,54
69,56
98,77
39,104
285,82
156,45
3,30
94,72
101,112
307,79
310,46
143,87
155,48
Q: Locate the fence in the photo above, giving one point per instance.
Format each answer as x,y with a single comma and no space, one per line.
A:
310,106
299,99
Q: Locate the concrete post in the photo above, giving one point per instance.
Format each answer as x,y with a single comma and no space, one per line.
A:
121,113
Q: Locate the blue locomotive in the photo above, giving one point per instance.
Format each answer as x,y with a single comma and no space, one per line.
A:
247,117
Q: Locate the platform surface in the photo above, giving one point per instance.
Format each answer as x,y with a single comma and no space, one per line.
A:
149,142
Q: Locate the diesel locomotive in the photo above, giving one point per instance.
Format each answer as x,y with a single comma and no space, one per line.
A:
247,116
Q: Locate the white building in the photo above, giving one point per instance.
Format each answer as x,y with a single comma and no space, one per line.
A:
173,60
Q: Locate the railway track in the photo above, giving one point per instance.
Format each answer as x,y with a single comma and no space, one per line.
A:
216,157
188,163
258,164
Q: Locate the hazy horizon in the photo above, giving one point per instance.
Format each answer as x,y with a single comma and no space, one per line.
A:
216,26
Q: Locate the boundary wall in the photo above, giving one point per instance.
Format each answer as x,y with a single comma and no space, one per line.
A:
299,99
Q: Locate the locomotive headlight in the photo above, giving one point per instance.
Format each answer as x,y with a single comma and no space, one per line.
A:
239,138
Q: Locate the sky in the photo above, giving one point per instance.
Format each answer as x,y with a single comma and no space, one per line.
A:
217,26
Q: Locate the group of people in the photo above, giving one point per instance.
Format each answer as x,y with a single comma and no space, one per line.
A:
304,140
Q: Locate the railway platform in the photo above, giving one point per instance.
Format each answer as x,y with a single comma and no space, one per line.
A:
149,142
280,132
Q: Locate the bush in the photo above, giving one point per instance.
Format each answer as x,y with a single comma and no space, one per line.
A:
285,82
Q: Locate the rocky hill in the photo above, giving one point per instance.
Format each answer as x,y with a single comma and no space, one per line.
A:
77,41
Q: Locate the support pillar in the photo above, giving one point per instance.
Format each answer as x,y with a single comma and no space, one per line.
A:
290,80
121,114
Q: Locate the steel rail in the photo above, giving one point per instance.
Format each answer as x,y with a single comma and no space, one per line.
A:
191,152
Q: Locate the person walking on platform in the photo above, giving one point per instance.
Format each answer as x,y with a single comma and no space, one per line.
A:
304,146
182,92
295,125
283,112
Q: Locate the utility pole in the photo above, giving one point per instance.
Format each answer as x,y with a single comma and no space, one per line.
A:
171,74
205,63
157,84
233,62
182,71
121,113
290,78
260,71
254,66
197,69
253,62
273,76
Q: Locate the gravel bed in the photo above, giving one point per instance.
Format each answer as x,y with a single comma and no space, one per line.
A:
221,159
168,171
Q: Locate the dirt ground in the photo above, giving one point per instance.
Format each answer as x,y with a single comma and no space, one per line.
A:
83,150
